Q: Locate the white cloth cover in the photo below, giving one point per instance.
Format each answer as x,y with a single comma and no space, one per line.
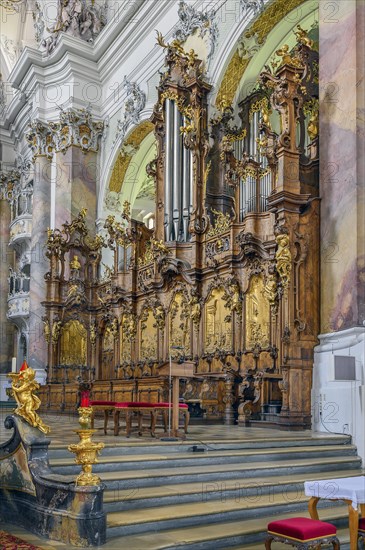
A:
349,488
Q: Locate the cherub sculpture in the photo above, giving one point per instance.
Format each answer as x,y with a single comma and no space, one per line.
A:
23,387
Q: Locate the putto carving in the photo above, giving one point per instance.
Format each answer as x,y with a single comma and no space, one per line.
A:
23,387
76,127
75,17
134,104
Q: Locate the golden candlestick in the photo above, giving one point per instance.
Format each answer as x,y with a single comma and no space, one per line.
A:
86,451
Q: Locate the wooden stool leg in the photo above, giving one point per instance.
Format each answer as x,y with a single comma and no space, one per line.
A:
165,419
116,422
128,423
336,544
187,419
106,414
140,422
153,423
268,542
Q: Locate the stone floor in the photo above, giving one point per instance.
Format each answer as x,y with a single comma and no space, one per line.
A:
63,426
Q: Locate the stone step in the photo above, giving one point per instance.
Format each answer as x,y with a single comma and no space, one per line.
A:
128,497
209,514
114,463
156,477
137,447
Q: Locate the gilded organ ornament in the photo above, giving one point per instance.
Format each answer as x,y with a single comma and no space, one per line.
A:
73,344
148,336
257,314
218,322
179,326
283,259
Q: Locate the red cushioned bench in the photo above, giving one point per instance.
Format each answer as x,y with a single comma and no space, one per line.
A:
130,409
141,408
303,533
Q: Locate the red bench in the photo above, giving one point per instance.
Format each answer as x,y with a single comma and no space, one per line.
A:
141,408
107,407
303,533
138,408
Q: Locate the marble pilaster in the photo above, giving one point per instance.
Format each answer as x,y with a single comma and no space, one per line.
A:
6,328
341,137
76,176
39,264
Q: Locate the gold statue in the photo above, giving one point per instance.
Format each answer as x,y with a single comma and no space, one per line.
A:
283,259
23,387
287,58
313,125
56,330
75,263
46,330
303,38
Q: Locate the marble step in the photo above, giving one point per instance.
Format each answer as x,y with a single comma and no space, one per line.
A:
208,513
128,497
154,477
150,461
247,534
128,447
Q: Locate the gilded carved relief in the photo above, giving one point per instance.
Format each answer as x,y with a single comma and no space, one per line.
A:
179,326
218,322
128,331
73,344
148,335
257,314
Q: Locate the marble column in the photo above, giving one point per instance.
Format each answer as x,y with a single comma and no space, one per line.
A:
6,328
341,135
76,178
39,264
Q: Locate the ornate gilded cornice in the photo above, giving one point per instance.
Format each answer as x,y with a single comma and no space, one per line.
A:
40,140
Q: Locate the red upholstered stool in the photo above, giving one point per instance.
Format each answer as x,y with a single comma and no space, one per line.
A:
362,529
302,533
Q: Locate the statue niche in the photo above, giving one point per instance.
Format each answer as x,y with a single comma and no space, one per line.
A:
73,344
257,315
218,322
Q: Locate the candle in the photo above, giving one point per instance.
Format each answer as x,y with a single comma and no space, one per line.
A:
13,364
85,401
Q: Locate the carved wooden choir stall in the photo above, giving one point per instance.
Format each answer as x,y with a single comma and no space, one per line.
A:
228,278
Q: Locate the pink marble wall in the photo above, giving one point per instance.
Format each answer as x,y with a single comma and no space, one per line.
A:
341,164
6,328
